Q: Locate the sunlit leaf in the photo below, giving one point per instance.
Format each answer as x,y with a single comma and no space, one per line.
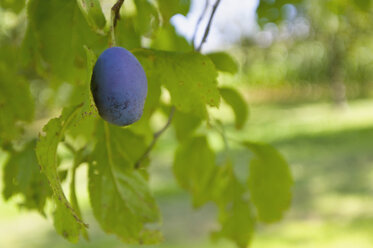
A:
55,37
169,8
13,5
363,4
237,222
22,176
237,103
121,200
270,182
166,38
84,124
16,103
126,35
224,62
194,168
185,124
236,217
93,13
189,77
66,221
147,17
78,160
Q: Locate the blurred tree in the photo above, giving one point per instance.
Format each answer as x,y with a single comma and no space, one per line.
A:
330,46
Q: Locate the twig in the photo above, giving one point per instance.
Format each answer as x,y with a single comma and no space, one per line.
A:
199,22
207,30
155,138
115,10
172,111
115,16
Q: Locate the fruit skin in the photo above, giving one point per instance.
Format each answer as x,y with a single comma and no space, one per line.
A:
119,86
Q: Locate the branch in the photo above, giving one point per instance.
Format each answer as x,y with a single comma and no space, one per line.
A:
162,130
199,22
207,30
115,11
155,139
115,16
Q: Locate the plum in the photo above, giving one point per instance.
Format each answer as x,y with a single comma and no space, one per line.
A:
119,86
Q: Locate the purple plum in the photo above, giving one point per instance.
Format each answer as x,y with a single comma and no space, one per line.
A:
119,86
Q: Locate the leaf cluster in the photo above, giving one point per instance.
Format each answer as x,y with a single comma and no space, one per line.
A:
49,68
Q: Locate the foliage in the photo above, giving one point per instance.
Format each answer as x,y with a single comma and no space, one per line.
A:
321,42
47,67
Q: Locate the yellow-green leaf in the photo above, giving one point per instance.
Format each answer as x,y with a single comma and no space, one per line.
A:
224,62
93,13
189,77
194,168
66,221
270,182
169,8
22,176
237,103
121,200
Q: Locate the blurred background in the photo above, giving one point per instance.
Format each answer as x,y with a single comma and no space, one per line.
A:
306,71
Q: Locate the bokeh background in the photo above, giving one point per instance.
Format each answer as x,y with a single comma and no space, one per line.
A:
306,72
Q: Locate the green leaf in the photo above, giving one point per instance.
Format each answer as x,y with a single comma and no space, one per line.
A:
189,77
142,127
66,221
152,102
126,35
84,124
269,181
93,13
225,186
185,124
78,160
237,223
119,194
364,5
22,176
237,103
224,62
16,103
169,8
55,37
236,217
194,168
13,5
166,38
147,18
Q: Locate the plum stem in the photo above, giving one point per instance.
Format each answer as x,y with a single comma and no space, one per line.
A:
155,138
115,16
115,10
207,30
172,111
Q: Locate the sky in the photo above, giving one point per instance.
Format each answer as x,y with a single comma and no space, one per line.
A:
233,19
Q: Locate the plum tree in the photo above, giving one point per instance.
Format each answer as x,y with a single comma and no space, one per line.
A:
119,86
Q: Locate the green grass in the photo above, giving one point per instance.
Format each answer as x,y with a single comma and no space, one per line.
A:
331,156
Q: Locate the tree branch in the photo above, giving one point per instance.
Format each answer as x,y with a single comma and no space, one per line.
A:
155,138
115,16
207,30
199,22
172,111
115,12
